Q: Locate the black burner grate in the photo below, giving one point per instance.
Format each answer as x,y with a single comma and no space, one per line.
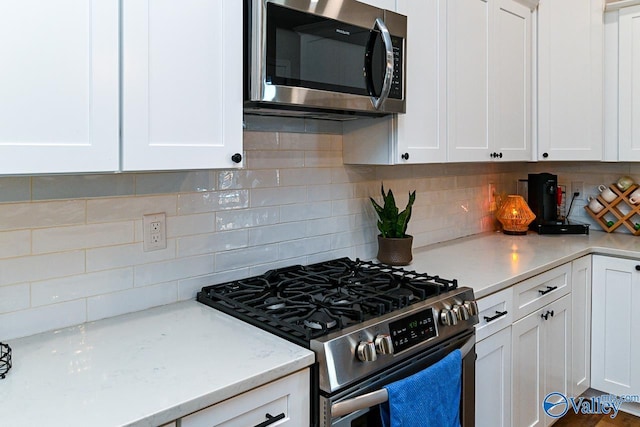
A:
301,303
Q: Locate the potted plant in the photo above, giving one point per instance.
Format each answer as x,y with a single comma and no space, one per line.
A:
394,244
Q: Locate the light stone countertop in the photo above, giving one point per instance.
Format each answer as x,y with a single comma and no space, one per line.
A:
157,365
142,369
490,262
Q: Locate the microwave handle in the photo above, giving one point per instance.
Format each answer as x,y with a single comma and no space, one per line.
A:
388,75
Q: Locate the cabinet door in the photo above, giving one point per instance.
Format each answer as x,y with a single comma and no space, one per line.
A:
182,84
629,84
541,356
468,117
570,99
421,131
615,323
493,380
581,325
528,388
59,86
510,70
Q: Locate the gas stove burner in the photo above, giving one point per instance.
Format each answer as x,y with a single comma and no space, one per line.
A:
320,320
302,303
274,303
402,293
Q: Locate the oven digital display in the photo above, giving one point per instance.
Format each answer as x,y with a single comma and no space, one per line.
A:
412,330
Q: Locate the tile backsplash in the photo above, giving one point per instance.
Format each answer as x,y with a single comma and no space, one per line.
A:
71,246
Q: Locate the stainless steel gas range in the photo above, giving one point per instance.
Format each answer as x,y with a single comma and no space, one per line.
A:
368,324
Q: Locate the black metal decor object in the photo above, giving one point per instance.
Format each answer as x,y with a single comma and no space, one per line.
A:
5,359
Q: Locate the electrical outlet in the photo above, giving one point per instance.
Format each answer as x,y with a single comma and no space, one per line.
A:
577,187
154,232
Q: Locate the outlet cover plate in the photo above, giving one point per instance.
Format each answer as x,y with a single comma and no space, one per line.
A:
154,232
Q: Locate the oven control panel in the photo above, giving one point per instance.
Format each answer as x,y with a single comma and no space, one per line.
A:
412,330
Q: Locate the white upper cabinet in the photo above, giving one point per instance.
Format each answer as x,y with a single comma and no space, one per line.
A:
182,84
421,131
511,68
468,115
629,84
490,64
58,86
570,80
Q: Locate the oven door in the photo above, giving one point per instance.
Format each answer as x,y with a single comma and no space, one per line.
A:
358,406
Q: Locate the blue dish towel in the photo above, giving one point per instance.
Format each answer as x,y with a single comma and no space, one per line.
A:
429,398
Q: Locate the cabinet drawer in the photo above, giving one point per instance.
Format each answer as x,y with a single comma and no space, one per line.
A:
532,294
495,312
287,398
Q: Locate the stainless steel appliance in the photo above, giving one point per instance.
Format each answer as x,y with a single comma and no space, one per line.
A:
335,59
368,324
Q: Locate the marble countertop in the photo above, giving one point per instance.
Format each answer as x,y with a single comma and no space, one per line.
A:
140,369
490,262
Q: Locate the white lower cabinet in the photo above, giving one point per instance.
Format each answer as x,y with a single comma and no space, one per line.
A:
286,399
493,380
581,325
615,324
541,345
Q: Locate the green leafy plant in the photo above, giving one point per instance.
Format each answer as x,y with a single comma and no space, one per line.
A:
391,222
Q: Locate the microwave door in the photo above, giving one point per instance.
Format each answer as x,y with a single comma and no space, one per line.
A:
380,30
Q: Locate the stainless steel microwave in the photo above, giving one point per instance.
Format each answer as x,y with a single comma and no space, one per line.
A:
335,59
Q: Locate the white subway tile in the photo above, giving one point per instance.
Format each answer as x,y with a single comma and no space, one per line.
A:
260,140
243,178
318,193
81,286
194,203
41,214
278,196
263,268
126,255
334,224
277,233
312,245
129,208
81,186
305,211
305,176
212,242
352,206
14,298
175,182
333,254
41,267
177,269
239,258
275,159
60,239
307,141
188,288
46,318
15,243
186,225
247,218
315,159
136,299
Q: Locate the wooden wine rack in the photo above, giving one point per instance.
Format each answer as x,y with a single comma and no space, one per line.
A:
619,212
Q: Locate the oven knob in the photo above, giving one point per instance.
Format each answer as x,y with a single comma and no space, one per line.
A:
367,351
472,306
384,345
461,312
448,317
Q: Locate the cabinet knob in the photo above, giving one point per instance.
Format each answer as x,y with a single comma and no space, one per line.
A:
405,156
500,155
637,267
236,158
545,155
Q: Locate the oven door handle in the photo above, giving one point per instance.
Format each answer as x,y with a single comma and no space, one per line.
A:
368,400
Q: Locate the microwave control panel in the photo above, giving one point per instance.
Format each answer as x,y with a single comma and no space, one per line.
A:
396,82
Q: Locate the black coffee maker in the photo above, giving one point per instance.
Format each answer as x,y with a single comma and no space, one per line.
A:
543,201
